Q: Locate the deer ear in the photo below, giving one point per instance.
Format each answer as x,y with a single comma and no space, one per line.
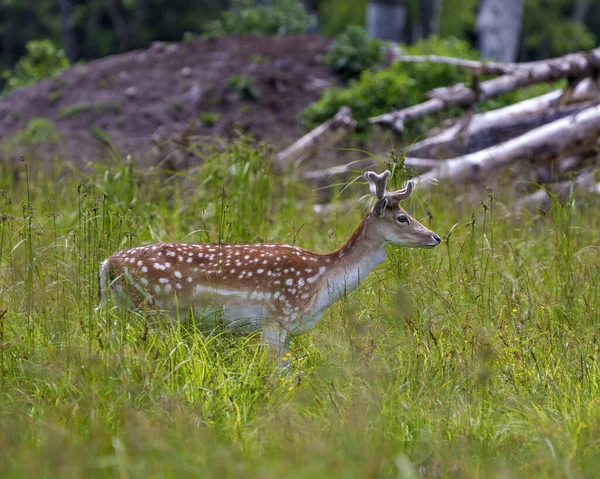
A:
377,183
380,207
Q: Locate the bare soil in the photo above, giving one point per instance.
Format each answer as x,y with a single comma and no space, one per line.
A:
141,98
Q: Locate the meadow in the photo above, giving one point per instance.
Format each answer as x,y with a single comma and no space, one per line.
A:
477,359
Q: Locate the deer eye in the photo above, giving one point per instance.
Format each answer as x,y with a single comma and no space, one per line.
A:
403,219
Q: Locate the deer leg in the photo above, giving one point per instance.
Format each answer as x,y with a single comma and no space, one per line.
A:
277,340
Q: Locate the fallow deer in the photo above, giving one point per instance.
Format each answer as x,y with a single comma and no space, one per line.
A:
278,289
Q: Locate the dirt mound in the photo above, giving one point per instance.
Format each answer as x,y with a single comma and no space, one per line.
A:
141,97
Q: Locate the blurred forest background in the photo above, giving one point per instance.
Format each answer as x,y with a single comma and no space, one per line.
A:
88,29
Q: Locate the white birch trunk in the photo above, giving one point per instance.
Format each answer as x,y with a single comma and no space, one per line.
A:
499,29
386,19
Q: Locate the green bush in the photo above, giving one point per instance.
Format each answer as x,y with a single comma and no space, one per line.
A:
398,86
209,118
43,59
283,17
244,87
99,109
37,132
353,52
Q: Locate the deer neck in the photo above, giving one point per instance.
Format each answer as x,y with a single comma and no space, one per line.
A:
351,264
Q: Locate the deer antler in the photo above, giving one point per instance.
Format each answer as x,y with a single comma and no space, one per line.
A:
403,193
377,183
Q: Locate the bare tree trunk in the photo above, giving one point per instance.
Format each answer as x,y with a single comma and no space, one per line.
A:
141,9
581,10
68,29
499,29
92,27
119,23
386,19
430,16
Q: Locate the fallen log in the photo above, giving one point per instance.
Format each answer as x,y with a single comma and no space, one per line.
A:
334,130
476,132
574,65
570,135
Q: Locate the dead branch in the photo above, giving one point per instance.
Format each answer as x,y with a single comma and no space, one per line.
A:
326,135
572,134
573,65
474,67
420,165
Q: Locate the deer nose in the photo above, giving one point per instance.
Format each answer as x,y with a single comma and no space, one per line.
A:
437,239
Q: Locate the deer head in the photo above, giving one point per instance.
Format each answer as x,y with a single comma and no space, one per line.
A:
390,221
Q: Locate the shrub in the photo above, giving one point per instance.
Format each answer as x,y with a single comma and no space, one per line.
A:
353,52
43,59
245,18
398,86
209,118
99,109
37,131
244,87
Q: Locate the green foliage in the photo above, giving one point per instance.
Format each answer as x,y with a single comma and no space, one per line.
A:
244,86
457,18
549,30
37,131
43,60
283,17
209,118
99,109
353,52
401,85
337,15
476,359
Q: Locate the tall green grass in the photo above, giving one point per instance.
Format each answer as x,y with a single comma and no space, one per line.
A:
476,359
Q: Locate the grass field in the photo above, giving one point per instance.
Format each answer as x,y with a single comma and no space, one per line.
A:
474,360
